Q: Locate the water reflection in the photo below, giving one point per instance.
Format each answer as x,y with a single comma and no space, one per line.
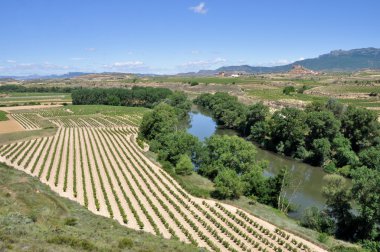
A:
308,194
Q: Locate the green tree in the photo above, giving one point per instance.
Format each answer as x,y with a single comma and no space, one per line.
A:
227,152
260,132
370,157
288,89
227,185
256,113
322,124
318,220
174,144
338,200
366,193
360,126
255,184
289,129
184,165
321,151
162,120
342,152
180,102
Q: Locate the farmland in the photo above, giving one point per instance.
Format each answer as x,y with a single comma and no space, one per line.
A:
95,160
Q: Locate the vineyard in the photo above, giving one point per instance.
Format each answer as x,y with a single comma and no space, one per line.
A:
94,159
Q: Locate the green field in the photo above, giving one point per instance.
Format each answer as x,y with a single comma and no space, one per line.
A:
3,116
21,98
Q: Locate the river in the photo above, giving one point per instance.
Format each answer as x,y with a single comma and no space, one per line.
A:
308,194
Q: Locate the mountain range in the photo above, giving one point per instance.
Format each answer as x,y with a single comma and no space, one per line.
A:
335,61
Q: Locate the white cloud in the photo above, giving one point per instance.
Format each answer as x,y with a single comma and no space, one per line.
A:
11,61
194,52
125,65
200,8
302,58
203,63
90,49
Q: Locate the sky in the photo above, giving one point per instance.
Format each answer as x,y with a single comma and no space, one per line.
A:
171,36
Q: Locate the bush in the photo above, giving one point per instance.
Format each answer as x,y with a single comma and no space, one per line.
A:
73,242
330,167
323,237
184,165
287,90
70,221
317,220
125,243
194,83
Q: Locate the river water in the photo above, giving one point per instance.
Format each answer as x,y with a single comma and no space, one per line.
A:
307,179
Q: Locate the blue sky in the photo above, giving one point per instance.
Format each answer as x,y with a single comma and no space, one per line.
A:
170,36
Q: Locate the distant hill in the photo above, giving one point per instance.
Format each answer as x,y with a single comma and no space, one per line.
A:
335,61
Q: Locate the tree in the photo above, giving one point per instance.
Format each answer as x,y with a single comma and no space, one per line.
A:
318,220
322,124
256,113
288,127
174,144
342,152
180,102
360,126
184,165
227,152
227,185
254,182
338,198
288,89
259,132
366,192
370,157
162,120
321,151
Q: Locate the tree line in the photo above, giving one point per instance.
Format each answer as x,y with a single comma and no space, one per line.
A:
337,137
136,96
342,139
228,161
35,89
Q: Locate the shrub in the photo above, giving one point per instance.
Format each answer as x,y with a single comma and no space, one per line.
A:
184,165
73,242
323,237
70,221
125,243
287,90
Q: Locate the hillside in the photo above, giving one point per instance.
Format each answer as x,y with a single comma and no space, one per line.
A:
335,61
33,218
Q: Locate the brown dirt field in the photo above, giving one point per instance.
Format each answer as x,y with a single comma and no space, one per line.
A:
10,126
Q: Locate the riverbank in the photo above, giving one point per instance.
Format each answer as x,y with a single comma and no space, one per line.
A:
309,179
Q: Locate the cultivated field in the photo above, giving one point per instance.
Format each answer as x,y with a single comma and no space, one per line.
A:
94,159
